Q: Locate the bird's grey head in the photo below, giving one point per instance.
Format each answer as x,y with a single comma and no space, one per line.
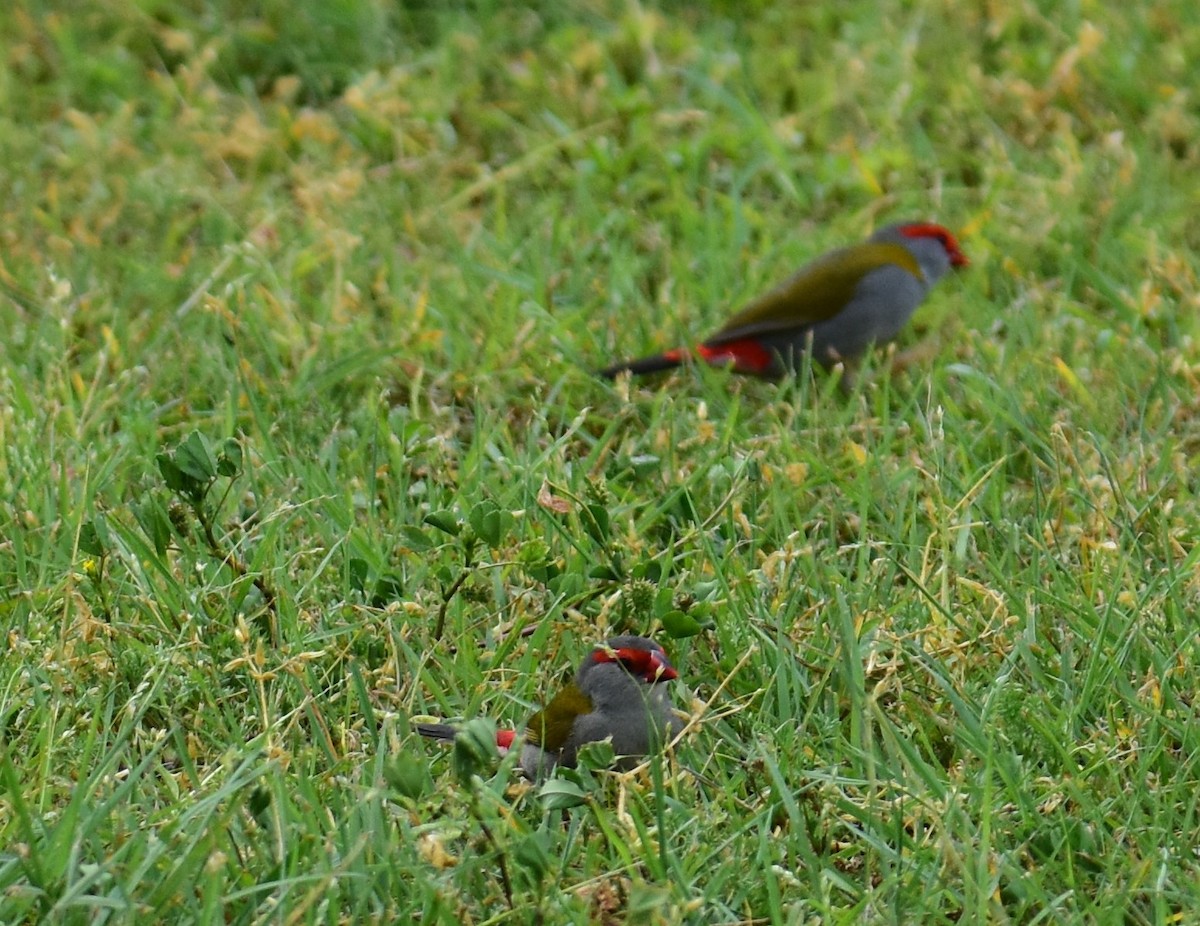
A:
935,249
622,661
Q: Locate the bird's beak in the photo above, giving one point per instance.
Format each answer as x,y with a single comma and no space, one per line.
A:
663,671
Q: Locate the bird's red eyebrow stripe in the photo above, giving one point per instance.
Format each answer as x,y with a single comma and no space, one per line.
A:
929,230
646,663
637,657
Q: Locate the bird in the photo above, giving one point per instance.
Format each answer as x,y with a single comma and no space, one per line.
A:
837,306
618,694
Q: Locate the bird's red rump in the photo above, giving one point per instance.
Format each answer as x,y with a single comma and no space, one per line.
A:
930,230
505,739
647,664
745,356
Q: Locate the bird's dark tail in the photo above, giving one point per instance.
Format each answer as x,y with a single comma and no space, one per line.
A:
437,731
668,360
443,731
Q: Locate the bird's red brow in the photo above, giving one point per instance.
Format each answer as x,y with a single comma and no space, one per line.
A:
648,664
929,230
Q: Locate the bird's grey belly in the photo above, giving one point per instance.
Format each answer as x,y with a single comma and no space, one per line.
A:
882,305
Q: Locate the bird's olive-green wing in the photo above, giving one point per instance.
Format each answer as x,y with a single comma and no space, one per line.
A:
550,727
816,292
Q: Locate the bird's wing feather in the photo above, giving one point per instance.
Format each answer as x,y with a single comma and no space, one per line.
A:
816,292
550,727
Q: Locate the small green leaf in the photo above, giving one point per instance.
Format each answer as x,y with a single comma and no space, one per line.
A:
644,464
445,522
648,903
229,460
566,585
475,751
649,569
678,625
534,557
408,774
388,588
357,573
194,458
175,478
258,803
415,538
410,431
596,523
486,522
153,519
89,538
603,572
100,522
598,755
686,507
533,551
533,855
560,794
544,572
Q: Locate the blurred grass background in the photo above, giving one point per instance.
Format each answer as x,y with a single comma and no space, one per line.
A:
948,669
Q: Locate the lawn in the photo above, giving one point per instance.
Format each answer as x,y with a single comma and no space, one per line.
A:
300,440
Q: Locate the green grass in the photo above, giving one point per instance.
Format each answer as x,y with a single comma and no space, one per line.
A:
950,675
